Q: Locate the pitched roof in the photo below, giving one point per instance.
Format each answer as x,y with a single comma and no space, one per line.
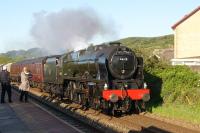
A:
185,17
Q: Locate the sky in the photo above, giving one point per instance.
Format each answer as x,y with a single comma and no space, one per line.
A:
130,18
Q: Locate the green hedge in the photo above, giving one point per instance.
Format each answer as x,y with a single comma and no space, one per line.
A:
172,84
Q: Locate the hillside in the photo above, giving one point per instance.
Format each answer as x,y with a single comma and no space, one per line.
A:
149,42
16,55
145,46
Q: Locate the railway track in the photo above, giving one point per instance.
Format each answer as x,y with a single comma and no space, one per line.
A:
61,116
94,121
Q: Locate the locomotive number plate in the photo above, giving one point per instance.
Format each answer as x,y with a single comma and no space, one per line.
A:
123,59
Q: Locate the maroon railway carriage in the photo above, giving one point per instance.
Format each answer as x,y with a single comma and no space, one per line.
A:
35,66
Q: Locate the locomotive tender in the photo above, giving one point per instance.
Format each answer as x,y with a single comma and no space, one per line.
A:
107,77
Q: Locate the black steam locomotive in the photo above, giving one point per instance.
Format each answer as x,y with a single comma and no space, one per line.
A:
107,77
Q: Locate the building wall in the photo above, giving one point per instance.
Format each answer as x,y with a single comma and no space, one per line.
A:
187,37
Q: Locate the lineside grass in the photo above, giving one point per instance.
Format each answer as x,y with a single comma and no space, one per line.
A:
181,112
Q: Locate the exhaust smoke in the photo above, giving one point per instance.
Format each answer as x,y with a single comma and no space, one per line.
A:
67,30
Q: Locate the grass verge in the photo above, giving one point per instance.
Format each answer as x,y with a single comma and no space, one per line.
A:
181,112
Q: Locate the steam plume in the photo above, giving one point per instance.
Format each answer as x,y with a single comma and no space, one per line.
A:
68,29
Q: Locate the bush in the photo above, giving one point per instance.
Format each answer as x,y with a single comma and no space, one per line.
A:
172,84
